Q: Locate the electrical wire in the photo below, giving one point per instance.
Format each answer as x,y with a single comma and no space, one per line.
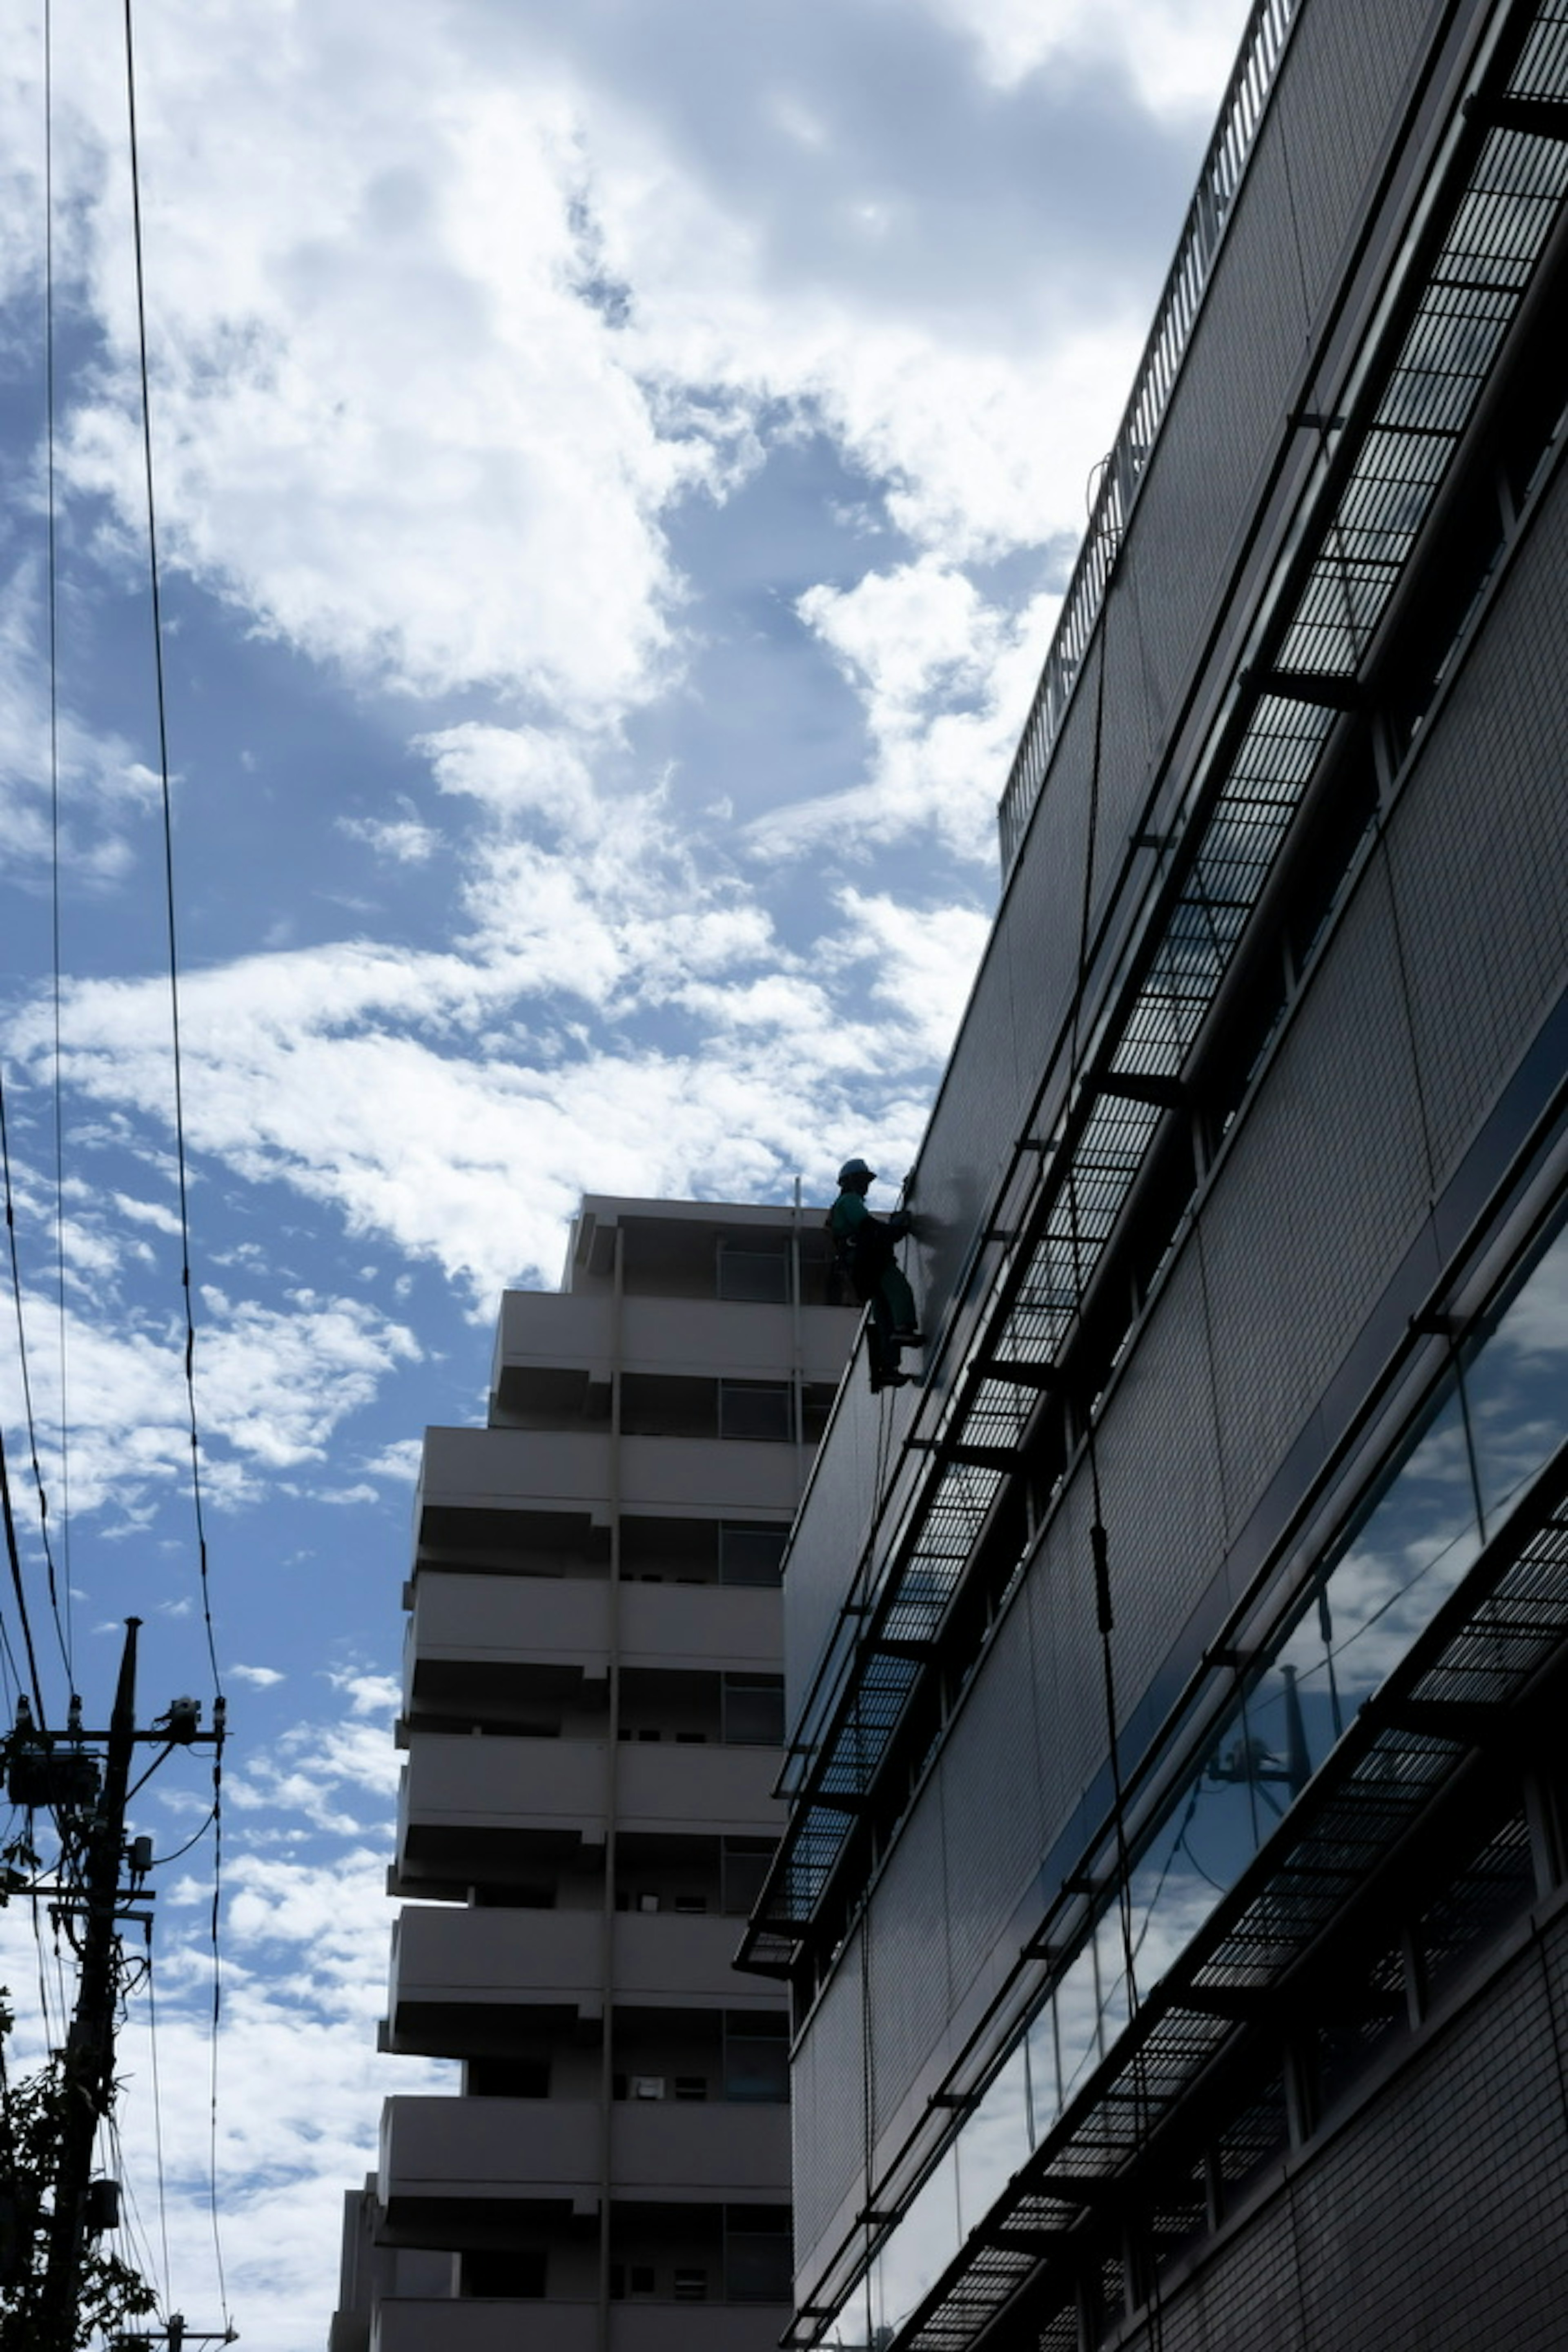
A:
158,2123
55,923
218,2012
162,1861
15,1557
28,1389
156,593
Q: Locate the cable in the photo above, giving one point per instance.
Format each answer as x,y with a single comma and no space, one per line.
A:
55,930
218,2005
162,1861
15,1560
158,2125
155,592
28,1391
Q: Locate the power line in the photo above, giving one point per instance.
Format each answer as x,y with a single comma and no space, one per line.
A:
156,590
156,599
54,927
27,1393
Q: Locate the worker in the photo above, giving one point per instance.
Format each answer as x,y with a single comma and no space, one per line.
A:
863,1246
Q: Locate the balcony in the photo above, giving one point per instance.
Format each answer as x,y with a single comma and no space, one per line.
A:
457,1974
475,1481
483,2153
546,1338
417,2326
565,1621
473,1810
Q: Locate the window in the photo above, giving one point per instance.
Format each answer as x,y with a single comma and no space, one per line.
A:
508,2278
509,2078
745,1866
756,2056
751,1555
754,1272
691,2086
754,1711
756,1409
757,2254
690,2286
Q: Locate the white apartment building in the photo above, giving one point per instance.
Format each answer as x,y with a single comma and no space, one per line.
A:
593,1720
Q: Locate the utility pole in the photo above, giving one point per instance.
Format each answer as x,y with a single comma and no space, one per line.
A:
88,2069
40,1772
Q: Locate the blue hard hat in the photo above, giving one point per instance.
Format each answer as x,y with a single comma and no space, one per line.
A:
853,1168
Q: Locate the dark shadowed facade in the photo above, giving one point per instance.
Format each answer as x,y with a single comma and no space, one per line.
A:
593,1715
1173,1894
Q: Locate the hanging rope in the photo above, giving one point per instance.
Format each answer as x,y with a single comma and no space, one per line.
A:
1100,1546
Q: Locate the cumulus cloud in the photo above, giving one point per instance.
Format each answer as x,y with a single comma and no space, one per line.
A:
273,1384
945,679
1175,52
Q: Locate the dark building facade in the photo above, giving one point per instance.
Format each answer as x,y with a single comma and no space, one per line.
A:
1173,1890
593,1715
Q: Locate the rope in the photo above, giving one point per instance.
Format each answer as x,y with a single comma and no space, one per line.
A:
1099,1548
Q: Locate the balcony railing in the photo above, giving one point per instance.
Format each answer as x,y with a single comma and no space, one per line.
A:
1240,114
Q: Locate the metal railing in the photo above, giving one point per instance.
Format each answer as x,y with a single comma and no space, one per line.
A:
1240,114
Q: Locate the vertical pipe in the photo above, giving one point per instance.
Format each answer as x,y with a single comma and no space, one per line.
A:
612,1800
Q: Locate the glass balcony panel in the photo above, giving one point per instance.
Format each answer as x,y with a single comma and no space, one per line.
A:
1173,1894
994,2142
1045,2078
914,2257
1515,1385
1077,2021
1399,1567
1112,1951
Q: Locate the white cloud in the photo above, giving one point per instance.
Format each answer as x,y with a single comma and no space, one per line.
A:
273,1384
945,679
260,1677
400,1460
403,841
1175,52
103,788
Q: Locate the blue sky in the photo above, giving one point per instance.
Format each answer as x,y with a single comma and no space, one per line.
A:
616,469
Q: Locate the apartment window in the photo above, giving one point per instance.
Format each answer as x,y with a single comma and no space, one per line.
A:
751,1555
756,1409
744,1866
753,1710
509,2078
638,2278
753,1275
690,2286
756,2057
757,2254
505,2277
692,2087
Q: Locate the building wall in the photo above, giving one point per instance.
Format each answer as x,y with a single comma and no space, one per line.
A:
593,1717
1357,1162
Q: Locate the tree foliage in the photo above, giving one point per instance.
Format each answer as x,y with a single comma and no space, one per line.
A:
32,2108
